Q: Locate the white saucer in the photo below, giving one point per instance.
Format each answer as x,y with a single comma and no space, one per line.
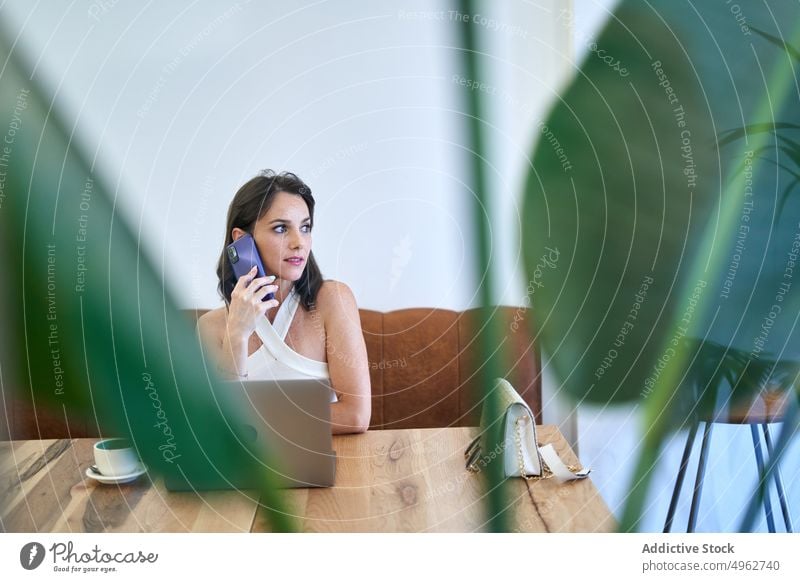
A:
117,479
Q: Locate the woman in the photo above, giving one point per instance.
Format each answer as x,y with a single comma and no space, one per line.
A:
311,328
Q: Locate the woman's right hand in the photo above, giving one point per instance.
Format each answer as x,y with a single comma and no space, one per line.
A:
246,305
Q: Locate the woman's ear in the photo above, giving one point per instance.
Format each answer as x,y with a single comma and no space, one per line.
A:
237,233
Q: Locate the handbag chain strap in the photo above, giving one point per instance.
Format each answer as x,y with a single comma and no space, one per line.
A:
546,472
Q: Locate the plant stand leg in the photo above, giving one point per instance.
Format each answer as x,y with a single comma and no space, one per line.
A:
787,518
765,486
698,482
676,492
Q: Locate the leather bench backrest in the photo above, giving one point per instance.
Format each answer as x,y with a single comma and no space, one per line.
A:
423,367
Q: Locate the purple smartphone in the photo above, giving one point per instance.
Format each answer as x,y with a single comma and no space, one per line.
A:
243,254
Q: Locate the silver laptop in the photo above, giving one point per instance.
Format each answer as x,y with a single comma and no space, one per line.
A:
286,426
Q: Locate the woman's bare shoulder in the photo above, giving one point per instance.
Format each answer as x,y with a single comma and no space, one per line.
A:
336,297
334,293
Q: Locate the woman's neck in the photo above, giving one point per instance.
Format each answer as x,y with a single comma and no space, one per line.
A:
284,288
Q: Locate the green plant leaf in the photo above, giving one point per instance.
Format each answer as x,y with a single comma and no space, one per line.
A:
493,476
779,42
98,337
628,182
732,135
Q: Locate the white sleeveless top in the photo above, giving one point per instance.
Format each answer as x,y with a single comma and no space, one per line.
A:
275,360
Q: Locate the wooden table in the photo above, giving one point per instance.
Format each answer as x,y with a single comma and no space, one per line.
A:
391,481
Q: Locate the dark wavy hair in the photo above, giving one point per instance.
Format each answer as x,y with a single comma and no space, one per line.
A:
250,203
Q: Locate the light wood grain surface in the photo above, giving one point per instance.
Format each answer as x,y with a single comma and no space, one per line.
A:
386,481
43,488
415,481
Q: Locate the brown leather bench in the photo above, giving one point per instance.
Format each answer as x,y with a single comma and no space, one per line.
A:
423,366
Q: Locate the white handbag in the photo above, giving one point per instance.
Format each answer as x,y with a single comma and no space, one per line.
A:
517,445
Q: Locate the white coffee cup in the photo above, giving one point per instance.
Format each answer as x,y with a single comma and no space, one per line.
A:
115,457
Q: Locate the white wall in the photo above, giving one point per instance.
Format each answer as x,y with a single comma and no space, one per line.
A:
182,103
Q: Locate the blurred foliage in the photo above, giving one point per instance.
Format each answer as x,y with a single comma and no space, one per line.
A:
785,147
498,517
646,188
676,285
95,334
